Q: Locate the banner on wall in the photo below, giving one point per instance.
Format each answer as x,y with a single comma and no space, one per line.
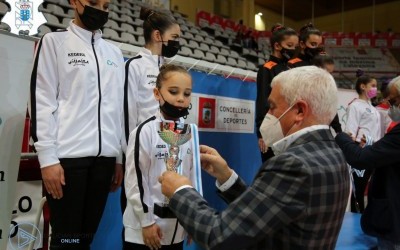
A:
16,65
378,60
222,114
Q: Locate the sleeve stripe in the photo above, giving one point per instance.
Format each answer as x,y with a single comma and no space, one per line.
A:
126,101
33,93
138,171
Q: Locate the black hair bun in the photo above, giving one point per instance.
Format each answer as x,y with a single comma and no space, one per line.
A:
277,27
306,27
359,72
145,13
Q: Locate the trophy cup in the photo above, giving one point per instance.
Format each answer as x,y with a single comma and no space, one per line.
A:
175,135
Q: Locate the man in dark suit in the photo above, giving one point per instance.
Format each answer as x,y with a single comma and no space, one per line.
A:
298,198
381,217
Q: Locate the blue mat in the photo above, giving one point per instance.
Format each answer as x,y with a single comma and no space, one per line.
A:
351,237
108,235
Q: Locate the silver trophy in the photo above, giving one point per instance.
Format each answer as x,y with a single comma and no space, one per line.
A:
175,135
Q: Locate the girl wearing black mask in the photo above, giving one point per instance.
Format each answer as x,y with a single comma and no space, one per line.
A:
311,53
283,44
161,34
147,224
310,46
76,88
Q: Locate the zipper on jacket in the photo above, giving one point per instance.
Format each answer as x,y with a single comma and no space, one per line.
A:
99,88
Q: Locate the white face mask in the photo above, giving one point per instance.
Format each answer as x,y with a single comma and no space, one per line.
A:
271,128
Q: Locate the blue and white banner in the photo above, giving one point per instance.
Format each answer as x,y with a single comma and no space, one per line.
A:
234,133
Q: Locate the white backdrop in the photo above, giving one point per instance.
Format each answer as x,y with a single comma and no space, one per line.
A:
16,57
345,97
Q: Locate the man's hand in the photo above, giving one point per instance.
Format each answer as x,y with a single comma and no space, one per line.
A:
261,145
53,178
152,236
363,141
117,178
171,181
214,164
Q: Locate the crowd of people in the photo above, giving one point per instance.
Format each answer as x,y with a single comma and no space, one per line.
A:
95,123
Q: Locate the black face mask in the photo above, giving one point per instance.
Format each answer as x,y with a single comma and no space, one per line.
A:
313,52
173,111
288,53
93,18
171,49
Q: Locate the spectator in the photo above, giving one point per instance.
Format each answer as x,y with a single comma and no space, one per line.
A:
284,42
310,46
383,108
298,197
381,217
362,119
326,62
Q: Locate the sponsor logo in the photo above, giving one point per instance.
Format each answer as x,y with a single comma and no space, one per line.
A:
161,155
207,112
24,17
153,83
76,54
359,173
111,63
161,146
78,62
28,235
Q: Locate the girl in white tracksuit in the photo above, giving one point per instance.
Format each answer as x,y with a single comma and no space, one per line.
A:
144,229
76,112
363,119
160,32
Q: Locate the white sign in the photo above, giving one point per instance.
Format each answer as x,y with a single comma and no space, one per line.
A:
222,114
345,96
16,56
24,16
24,231
376,60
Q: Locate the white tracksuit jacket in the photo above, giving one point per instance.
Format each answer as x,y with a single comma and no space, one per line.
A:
76,101
363,119
141,72
152,150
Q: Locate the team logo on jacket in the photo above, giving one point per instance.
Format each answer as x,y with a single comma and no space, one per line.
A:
152,83
24,17
78,62
111,63
161,155
76,54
